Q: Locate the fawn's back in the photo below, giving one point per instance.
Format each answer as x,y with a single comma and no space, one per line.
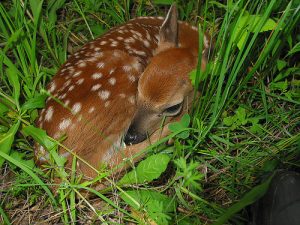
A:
93,96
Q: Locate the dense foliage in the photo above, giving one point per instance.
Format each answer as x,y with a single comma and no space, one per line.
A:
244,125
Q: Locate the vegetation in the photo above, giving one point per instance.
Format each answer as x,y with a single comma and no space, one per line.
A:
245,124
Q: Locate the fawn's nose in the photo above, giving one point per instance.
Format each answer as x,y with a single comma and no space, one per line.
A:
133,137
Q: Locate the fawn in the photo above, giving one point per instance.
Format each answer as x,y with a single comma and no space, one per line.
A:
119,87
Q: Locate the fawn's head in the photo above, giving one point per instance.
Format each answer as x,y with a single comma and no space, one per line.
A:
164,87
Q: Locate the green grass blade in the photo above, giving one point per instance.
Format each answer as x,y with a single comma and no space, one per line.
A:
4,216
7,141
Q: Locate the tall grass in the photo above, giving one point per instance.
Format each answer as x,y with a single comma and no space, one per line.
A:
244,124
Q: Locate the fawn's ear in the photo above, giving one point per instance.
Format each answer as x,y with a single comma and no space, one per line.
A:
168,33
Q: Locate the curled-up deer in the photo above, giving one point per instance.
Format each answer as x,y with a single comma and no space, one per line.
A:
118,88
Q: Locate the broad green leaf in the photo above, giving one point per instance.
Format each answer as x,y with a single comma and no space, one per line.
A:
248,23
281,64
270,24
36,8
147,170
185,120
37,101
281,86
241,115
228,121
3,108
256,128
40,136
242,40
7,141
192,76
181,125
19,156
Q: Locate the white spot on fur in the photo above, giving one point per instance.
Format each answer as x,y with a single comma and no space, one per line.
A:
52,87
98,55
49,114
129,40
148,36
142,53
82,64
71,88
92,109
80,81
100,65
106,104
67,102
77,74
136,65
112,81
127,47
194,28
122,95
92,59
62,96
96,87
111,71
76,108
127,68
64,124
146,43
103,42
104,95
71,69
131,77
96,76
116,54
114,44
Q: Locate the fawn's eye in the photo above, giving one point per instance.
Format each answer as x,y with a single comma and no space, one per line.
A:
173,110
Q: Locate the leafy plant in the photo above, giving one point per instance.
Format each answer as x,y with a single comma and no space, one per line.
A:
149,169
156,205
188,174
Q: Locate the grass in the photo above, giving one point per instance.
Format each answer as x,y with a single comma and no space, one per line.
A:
244,126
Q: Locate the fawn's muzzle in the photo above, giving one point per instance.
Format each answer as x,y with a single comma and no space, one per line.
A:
133,136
